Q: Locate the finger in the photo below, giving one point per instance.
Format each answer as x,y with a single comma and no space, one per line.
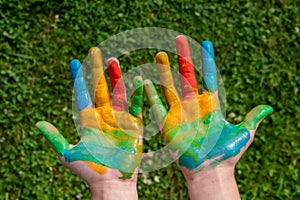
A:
81,93
256,115
209,70
166,78
186,67
58,142
102,97
117,83
155,102
136,108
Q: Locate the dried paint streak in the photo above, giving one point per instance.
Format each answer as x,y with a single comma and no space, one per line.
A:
96,167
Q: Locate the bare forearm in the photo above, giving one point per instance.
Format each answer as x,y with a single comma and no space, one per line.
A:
111,190
213,183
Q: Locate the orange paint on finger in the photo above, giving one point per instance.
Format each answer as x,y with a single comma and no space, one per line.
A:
166,78
102,96
95,58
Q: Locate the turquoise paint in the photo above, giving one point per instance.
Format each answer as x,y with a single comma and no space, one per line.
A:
209,70
215,139
99,148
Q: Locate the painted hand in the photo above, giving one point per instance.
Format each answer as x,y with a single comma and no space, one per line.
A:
110,144
194,127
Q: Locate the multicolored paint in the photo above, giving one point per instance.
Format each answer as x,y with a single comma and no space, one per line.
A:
110,136
194,126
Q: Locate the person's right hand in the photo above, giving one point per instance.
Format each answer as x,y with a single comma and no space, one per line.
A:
111,138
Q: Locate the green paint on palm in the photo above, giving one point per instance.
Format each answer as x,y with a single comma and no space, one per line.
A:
215,139
116,149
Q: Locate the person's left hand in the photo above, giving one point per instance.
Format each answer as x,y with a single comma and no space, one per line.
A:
194,127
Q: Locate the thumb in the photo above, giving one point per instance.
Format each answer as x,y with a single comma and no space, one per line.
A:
57,141
256,115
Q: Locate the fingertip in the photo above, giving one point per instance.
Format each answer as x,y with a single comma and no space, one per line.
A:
162,58
113,67
256,115
138,80
43,125
75,65
147,82
40,124
93,50
37,124
269,109
182,46
263,110
208,46
112,62
180,38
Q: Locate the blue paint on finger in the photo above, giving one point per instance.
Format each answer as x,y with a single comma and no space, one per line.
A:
82,97
209,69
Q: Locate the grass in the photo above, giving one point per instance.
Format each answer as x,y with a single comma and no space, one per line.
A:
257,54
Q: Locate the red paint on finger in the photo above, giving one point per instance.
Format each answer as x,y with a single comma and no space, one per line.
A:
117,83
186,67
182,47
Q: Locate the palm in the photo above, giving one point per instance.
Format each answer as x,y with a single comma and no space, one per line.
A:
113,144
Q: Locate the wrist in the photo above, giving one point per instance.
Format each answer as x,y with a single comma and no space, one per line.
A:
212,183
114,189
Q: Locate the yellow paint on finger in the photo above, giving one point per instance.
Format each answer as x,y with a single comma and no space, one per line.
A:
208,102
166,78
102,96
88,117
96,63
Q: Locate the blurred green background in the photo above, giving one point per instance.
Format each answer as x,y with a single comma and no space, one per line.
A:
257,54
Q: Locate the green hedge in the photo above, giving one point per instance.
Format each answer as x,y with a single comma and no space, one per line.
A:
257,53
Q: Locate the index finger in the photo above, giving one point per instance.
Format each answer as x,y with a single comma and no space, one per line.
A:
166,78
81,93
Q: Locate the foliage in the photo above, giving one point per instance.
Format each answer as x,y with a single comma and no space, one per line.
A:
257,53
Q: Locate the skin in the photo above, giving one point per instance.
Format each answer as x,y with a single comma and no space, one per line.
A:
110,147
205,145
